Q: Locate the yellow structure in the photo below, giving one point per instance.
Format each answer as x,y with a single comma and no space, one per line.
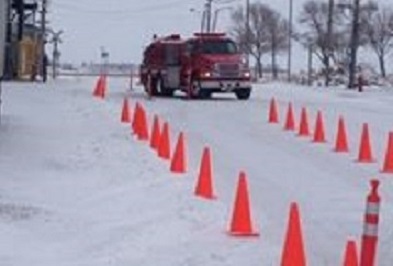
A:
29,55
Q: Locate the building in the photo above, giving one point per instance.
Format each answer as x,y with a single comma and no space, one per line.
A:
24,40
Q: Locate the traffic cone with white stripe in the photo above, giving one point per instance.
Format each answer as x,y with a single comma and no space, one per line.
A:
370,227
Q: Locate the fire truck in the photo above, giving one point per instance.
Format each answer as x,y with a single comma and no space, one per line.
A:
199,66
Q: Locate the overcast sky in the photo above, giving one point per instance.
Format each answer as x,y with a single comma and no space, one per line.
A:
124,27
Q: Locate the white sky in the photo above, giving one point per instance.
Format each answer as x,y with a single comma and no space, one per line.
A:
123,27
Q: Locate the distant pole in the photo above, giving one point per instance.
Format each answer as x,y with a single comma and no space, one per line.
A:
310,63
203,21
329,40
208,15
247,32
290,40
42,60
56,54
354,45
8,66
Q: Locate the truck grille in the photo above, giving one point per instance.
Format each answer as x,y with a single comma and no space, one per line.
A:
228,70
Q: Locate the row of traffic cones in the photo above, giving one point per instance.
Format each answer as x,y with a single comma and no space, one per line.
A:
159,140
293,252
365,154
241,223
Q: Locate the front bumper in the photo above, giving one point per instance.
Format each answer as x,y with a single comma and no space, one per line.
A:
223,85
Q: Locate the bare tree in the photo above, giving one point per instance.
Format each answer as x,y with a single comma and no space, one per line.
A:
278,33
323,31
268,32
378,27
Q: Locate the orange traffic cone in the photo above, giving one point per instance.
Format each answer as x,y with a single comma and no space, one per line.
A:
99,87
241,218
125,113
319,134
155,135
351,255
303,129
365,151
164,145
290,121
135,125
388,164
179,164
273,113
204,186
293,253
341,139
143,127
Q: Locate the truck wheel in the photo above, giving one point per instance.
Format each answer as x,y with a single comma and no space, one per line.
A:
243,94
150,86
197,92
204,94
162,90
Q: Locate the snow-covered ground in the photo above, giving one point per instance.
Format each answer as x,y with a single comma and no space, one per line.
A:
78,189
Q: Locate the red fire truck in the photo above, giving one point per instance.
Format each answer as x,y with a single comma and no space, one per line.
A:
204,64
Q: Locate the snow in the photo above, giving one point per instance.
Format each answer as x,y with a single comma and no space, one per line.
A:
78,189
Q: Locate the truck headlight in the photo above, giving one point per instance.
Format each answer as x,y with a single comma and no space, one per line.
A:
247,74
206,74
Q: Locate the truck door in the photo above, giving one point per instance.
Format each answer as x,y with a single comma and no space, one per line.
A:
172,62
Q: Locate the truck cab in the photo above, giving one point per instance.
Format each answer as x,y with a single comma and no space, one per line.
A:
214,65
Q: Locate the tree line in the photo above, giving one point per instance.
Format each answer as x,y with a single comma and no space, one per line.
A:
332,30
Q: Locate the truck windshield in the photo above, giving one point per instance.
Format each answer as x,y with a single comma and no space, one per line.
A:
215,47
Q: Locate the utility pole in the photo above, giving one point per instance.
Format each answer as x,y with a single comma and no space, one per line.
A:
290,40
56,54
329,40
8,67
310,63
208,7
354,44
42,56
248,45
3,29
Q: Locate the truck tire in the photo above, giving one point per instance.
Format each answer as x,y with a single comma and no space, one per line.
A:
198,92
204,94
162,90
243,94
